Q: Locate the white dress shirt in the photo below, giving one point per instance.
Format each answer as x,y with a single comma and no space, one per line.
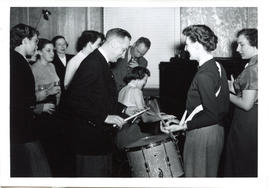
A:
72,67
63,60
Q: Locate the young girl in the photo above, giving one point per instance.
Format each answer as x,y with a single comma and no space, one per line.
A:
132,96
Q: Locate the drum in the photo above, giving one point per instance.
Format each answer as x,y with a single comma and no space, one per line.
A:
154,156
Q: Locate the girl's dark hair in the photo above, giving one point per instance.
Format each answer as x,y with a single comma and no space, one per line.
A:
41,44
203,34
58,37
19,32
136,73
88,36
251,35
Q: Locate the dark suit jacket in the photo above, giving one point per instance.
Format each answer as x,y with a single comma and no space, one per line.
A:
90,97
22,99
60,68
121,68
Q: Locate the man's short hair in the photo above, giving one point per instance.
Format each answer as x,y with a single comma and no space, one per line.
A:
117,32
19,32
143,40
88,36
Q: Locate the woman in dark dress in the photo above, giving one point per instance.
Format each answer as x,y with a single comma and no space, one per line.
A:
208,96
241,153
61,58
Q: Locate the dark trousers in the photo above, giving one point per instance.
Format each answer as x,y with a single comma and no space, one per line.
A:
29,160
59,155
94,165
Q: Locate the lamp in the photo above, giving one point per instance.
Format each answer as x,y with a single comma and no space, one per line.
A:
45,13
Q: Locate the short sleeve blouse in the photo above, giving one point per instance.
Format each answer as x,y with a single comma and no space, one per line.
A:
248,79
131,96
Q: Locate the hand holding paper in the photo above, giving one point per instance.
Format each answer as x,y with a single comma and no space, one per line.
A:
176,125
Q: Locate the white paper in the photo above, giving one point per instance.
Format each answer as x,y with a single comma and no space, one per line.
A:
193,113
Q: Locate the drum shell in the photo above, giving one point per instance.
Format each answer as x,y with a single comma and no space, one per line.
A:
160,159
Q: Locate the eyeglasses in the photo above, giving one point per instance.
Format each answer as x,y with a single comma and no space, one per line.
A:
142,53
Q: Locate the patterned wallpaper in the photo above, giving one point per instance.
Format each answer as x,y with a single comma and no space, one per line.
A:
224,21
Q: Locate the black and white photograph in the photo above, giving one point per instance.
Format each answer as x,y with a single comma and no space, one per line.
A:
133,94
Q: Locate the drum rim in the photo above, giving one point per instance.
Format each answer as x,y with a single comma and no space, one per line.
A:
150,145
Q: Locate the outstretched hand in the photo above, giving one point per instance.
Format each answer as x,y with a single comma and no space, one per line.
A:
167,116
173,125
115,121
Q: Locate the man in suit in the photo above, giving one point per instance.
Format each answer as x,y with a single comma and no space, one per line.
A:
90,106
61,58
133,58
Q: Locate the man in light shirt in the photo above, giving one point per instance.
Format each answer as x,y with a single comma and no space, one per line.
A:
87,43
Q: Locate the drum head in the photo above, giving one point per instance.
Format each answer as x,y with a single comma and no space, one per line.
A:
147,142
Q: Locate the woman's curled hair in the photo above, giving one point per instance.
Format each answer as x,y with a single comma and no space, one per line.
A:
203,34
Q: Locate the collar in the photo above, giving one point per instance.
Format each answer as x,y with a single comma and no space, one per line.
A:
104,54
128,54
206,59
62,57
131,84
252,61
206,64
19,52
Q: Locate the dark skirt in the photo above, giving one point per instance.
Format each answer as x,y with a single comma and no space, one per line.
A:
202,151
29,160
242,145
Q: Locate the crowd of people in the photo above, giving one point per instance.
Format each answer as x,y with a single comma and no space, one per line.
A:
67,112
